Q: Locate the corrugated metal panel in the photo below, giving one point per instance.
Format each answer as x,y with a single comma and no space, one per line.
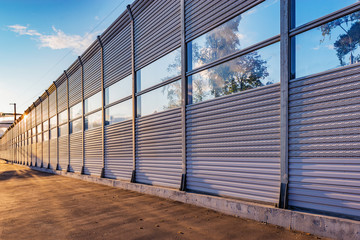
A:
33,156
117,57
62,97
75,86
76,160
118,150
92,74
38,114
46,157
53,153
28,160
45,109
63,153
158,149
201,15
93,151
157,26
324,149
52,104
233,145
39,154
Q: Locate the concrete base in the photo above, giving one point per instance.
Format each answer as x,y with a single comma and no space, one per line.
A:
320,225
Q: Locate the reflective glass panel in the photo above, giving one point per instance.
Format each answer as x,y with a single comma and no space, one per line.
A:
329,46
308,10
75,126
34,130
93,120
63,117
46,125
93,102
46,136
63,130
159,71
245,30
53,121
39,128
160,99
256,69
119,112
118,90
53,133
75,111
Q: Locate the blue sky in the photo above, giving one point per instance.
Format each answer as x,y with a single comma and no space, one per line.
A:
41,38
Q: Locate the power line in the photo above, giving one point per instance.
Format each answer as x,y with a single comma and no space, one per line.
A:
71,50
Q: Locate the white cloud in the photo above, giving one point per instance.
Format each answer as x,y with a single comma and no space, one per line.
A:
57,40
96,18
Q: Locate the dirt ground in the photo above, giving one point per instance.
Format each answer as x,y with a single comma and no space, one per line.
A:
35,205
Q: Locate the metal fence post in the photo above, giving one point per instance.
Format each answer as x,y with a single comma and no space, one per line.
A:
83,116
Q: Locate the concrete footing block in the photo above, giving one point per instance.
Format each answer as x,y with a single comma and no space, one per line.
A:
320,225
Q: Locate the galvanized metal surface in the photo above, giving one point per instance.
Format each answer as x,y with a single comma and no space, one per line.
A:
46,155
53,153
93,151
75,87
76,161
324,130
118,150
158,26
158,149
62,97
52,104
92,74
233,145
63,153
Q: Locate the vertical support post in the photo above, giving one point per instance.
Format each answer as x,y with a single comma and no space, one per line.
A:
57,128
183,96
42,133
133,177
83,117
102,107
68,169
48,120
285,75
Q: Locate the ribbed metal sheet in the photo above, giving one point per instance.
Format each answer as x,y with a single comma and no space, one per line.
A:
46,157
93,151
118,150
201,15
324,149
63,153
62,97
39,154
52,104
92,74
28,160
33,155
158,149
117,57
233,145
38,114
45,109
157,26
76,160
53,153
75,88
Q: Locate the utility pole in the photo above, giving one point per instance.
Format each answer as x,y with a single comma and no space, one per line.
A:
14,110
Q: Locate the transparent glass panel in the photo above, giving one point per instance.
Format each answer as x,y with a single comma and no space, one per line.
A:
167,67
118,90
46,125
93,120
46,136
75,111
39,128
256,69
119,112
53,121
308,10
53,133
92,103
329,46
63,117
245,30
34,131
63,130
160,99
75,126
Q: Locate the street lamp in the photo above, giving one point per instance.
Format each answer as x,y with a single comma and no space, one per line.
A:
14,110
